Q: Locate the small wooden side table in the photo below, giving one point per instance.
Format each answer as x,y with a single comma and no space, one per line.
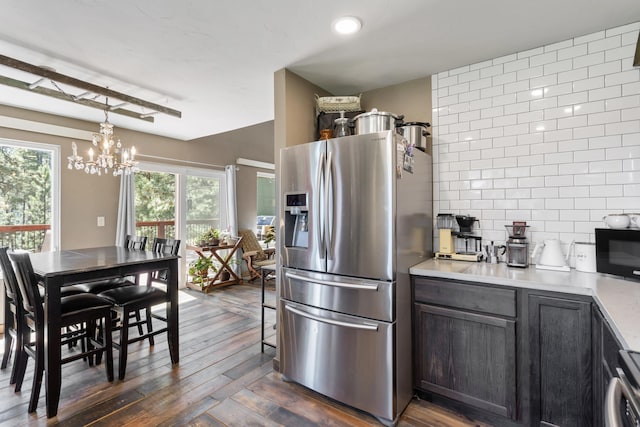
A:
224,258
264,272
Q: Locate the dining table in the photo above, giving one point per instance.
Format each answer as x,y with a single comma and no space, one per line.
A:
62,268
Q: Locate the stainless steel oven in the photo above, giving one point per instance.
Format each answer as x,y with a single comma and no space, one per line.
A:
618,252
622,404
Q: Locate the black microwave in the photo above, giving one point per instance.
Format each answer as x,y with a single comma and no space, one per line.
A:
618,252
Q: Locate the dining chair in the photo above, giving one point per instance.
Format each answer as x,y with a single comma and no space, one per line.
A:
127,300
253,254
12,315
136,243
78,309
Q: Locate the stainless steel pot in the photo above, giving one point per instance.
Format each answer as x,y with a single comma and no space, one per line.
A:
375,121
416,134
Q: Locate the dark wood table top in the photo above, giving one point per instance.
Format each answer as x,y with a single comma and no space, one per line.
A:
48,264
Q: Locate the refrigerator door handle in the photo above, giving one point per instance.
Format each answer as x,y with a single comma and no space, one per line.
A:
361,286
329,209
320,208
363,326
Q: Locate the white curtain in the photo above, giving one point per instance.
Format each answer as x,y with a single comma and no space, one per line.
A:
232,207
126,209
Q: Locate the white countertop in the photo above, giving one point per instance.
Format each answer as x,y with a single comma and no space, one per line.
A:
618,299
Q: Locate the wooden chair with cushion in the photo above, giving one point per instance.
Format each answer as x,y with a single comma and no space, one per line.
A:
128,300
80,309
253,254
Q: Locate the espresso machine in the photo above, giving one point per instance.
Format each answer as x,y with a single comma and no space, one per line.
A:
517,245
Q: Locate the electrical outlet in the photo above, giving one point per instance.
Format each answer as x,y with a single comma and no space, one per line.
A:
100,221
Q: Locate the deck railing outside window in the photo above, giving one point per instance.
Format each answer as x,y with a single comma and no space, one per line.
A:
33,237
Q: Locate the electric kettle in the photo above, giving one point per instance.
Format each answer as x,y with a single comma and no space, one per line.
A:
551,257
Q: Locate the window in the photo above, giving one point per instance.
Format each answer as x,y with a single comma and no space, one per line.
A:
266,204
29,195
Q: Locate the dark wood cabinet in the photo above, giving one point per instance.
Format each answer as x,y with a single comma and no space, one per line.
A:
560,361
605,361
467,357
465,344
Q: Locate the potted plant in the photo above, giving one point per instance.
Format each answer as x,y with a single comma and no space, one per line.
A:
270,235
199,269
211,237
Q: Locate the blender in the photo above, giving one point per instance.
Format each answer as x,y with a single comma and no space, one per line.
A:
517,245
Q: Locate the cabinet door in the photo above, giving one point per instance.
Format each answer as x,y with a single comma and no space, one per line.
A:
467,357
560,341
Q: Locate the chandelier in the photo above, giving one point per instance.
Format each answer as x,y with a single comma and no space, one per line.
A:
110,153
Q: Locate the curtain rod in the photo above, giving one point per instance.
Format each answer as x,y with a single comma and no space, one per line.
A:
148,156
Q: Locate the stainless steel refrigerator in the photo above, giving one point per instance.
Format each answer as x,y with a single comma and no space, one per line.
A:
356,213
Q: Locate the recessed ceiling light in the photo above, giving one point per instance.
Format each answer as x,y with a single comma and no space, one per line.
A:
347,25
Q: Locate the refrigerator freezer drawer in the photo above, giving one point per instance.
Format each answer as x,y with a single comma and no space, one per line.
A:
344,357
361,297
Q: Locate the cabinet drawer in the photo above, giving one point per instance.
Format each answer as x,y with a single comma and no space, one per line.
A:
484,299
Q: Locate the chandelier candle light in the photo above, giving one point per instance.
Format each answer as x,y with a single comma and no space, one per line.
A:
108,151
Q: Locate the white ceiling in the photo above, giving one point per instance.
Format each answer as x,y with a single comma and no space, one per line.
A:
214,60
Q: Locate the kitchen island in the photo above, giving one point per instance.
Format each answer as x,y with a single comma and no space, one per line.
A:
520,346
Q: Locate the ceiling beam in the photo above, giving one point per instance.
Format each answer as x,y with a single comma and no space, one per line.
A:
61,78
8,81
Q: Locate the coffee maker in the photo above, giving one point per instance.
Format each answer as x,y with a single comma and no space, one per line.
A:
449,237
517,245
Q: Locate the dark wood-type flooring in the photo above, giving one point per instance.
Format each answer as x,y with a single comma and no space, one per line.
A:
222,379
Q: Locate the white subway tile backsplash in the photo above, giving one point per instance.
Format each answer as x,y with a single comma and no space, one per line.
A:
623,177
573,122
604,93
572,52
550,136
559,204
505,121
604,44
480,104
545,214
606,68
602,118
631,139
631,126
630,114
459,70
588,60
588,84
480,84
588,132
573,168
545,193
628,165
520,107
633,27
573,75
605,191
518,193
631,190
576,191
529,73
558,67
516,86
544,170
605,142
472,95
553,158
573,98
517,65
573,145
605,166
501,79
